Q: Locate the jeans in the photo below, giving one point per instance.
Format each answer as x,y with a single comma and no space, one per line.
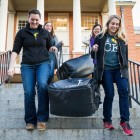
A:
109,77
53,65
51,72
36,76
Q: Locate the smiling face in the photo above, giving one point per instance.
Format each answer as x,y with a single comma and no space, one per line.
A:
113,26
96,30
48,27
34,20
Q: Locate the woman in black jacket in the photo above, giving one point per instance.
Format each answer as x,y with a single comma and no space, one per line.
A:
112,67
35,69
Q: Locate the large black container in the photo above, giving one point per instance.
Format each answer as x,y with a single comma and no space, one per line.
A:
75,97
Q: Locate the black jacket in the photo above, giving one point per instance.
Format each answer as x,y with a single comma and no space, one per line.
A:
122,56
35,50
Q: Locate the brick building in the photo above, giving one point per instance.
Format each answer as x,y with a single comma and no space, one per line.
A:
72,21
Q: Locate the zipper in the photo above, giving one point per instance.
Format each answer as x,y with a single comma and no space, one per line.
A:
118,57
103,59
103,64
36,40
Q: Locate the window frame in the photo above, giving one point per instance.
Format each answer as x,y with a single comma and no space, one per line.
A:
89,14
60,14
21,16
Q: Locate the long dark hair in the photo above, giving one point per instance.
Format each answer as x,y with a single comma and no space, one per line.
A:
95,27
52,31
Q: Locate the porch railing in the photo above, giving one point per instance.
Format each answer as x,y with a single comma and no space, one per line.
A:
4,65
134,82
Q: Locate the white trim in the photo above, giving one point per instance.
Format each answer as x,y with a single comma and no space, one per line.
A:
125,3
111,7
59,14
136,31
137,44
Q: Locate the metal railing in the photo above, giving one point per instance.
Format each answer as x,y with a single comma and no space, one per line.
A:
134,82
134,74
4,65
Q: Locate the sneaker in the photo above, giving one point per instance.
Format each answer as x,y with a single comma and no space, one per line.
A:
30,126
41,126
126,128
108,125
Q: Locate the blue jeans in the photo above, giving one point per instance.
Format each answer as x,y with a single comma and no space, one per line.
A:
36,76
53,63
51,72
109,77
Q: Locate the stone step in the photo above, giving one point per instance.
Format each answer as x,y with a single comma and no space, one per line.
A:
19,113
66,123
12,124
67,134
19,103
15,96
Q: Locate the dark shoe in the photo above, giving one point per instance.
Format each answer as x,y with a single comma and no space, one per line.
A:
41,126
108,125
126,128
30,126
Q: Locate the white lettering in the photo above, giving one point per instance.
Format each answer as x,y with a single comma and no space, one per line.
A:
114,48
107,47
75,85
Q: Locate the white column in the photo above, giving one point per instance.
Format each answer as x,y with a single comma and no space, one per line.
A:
104,19
122,15
10,31
77,26
111,7
3,23
40,7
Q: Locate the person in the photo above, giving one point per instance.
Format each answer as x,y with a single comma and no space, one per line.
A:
111,50
35,69
54,42
96,29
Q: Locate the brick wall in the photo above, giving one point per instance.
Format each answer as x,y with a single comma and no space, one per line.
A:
137,38
133,51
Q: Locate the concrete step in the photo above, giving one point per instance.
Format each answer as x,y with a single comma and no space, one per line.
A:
19,103
12,124
66,123
67,134
19,113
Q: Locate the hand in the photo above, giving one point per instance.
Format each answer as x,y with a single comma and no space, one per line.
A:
95,48
62,42
11,71
53,49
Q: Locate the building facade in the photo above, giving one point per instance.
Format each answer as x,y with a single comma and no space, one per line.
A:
72,21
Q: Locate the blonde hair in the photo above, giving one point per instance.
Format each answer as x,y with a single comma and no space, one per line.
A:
120,33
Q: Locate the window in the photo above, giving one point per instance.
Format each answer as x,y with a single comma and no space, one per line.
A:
60,22
22,24
22,20
137,30
88,20
138,44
